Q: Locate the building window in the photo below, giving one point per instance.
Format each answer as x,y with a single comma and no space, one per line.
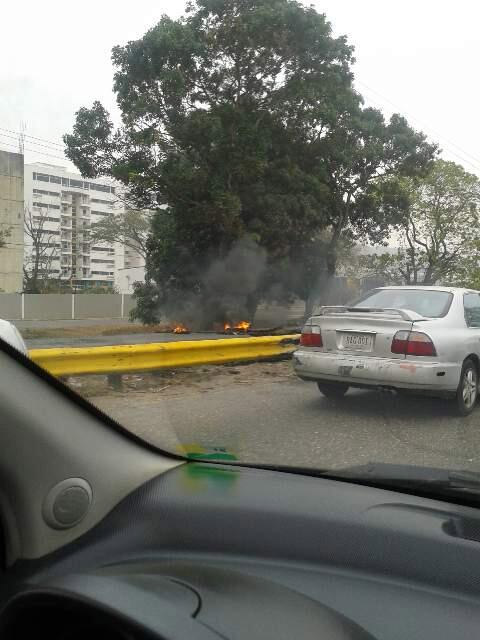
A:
41,192
41,177
101,187
45,219
44,205
56,179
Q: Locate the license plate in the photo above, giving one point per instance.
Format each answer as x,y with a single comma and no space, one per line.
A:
357,341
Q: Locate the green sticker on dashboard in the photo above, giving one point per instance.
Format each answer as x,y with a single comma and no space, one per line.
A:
200,452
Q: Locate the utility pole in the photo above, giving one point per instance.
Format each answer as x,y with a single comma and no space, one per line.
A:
21,137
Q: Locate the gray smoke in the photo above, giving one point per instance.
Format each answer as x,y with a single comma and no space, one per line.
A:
236,277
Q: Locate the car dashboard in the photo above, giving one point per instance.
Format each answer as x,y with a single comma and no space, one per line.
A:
209,551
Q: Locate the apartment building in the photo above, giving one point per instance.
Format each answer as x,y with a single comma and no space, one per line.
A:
11,221
64,206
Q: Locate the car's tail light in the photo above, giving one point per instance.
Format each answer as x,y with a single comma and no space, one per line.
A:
413,343
311,336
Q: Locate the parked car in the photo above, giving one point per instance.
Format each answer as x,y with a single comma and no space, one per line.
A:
424,339
11,334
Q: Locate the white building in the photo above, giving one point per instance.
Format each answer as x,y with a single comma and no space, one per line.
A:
66,206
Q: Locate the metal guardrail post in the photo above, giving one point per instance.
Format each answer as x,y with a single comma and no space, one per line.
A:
115,381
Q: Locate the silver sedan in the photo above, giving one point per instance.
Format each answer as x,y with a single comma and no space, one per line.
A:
409,339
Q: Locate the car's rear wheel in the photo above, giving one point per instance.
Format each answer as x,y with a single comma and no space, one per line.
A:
467,392
333,390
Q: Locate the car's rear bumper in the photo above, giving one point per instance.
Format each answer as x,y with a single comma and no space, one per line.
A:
377,372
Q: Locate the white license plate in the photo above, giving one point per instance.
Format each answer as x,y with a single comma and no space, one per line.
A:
357,341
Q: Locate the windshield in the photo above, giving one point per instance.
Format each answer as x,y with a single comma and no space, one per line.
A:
189,189
430,304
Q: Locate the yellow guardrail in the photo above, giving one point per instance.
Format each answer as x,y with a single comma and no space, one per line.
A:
163,355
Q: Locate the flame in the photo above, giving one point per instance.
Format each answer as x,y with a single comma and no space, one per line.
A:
243,325
180,328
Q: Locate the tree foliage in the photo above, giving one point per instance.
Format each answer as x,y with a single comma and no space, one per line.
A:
130,228
439,239
242,119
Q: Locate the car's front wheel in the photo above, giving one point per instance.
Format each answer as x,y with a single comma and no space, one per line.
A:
333,390
467,392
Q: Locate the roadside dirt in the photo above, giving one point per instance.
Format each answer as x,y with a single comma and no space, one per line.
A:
93,331
174,382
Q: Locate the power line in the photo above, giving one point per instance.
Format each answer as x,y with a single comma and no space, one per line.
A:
40,153
464,153
36,144
56,144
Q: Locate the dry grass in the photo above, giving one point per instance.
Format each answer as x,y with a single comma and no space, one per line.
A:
93,330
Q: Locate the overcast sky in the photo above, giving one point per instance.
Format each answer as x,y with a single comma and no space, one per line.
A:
417,57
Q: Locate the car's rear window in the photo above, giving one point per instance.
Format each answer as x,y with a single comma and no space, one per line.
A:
430,304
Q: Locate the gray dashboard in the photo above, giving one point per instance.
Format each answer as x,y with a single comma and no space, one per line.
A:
208,551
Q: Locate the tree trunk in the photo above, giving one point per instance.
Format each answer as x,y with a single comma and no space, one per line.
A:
331,260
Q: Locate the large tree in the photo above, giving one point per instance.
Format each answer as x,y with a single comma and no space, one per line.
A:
439,238
241,117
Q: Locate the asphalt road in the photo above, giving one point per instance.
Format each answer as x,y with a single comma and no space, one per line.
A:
286,421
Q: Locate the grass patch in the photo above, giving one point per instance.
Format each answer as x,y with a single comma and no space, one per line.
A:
92,331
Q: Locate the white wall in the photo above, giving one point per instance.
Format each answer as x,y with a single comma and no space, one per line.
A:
124,278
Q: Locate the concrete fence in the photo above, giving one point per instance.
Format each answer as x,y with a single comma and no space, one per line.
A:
64,306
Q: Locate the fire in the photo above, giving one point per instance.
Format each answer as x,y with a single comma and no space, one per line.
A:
180,328
243,325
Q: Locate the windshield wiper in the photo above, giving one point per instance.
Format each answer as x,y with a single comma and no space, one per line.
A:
413,479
